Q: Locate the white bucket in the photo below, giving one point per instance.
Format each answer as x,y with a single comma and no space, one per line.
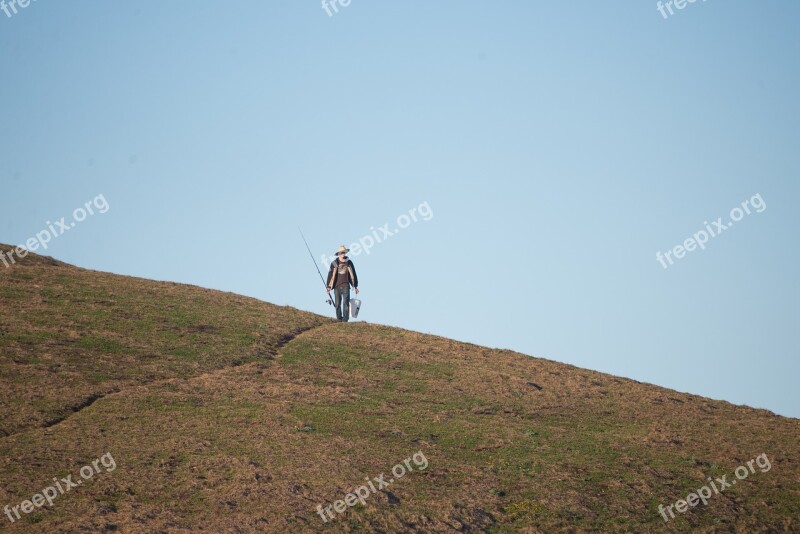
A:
355,306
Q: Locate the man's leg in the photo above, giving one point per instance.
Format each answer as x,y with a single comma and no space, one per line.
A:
346,302
337,295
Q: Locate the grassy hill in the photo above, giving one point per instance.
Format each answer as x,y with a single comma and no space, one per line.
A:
221,413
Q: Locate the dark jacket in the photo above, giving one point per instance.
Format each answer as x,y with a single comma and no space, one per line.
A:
333,273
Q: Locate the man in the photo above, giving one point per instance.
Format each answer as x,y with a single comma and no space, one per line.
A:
341,274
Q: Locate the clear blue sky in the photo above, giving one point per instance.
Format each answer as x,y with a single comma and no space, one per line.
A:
558,145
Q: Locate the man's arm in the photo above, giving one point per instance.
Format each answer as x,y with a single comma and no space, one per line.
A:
331,271
355,276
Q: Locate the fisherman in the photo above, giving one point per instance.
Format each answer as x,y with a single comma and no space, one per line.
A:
341,274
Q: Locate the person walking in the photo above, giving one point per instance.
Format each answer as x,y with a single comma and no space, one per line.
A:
340,276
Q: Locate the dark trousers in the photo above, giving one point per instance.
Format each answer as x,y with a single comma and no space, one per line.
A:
342,297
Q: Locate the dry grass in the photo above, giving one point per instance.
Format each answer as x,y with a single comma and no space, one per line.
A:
216,425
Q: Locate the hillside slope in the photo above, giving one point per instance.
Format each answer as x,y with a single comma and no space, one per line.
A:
223,413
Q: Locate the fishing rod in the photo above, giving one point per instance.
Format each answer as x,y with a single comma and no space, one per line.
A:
329,300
